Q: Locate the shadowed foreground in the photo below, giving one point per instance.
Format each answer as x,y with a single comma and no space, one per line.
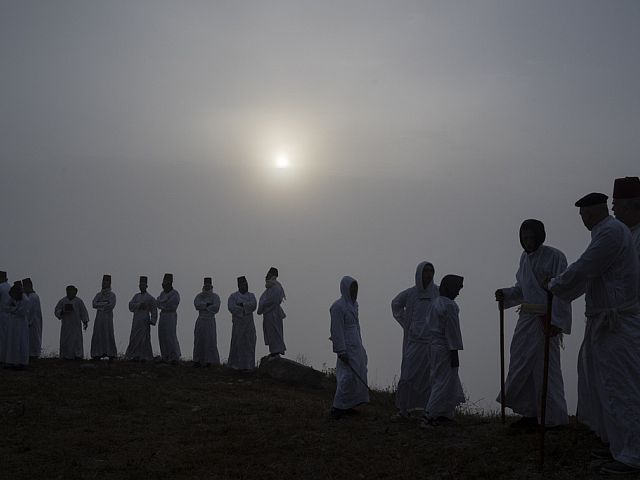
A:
125,420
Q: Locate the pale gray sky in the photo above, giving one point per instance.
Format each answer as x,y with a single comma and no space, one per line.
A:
138,137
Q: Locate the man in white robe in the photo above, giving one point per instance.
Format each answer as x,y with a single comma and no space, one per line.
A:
103,341
35,319
168,302
446,340
609,359
523,386
410,309
242,304
205,339
16,340
351,364
626,207
272,313
73,317
145,314
4,297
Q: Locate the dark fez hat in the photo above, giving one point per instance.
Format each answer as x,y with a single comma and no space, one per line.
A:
106,278
273,272
144,279
592,199
27,281
208,281
168,277
242,279
627,187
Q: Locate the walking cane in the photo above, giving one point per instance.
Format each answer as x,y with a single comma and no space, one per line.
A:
502,399
545,377
353,370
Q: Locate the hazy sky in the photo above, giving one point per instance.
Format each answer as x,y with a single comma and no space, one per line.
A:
140,137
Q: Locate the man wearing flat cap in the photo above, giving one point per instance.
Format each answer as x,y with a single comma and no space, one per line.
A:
626,207
609,360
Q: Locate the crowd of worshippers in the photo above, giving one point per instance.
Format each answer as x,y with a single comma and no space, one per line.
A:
607,274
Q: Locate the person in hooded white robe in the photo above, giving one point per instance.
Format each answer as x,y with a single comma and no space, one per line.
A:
103,341
272,313
145,314
4,297
73,317
35,319
168,302
16,341
351,364
609,359
410,309
626,207
523,386
242,304
205,339
446,340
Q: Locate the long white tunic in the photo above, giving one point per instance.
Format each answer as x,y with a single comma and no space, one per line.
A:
523,386
205,339
35,325
103,341
145,314
168,303
4,297
16,340
446,389
410,308
609,359
72,319
242,354
347,340
272,316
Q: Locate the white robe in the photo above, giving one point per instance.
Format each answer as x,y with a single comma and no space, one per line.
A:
143,317
4,297
205,339
168,303
609,359
242,354
16,340
635,235
35,325
446,389
346,339
103,341
410,308
272,316
71,345
523,386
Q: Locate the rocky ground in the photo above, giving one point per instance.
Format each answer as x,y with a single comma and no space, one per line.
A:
69,420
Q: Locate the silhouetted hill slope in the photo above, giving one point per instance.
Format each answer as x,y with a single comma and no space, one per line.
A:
66,420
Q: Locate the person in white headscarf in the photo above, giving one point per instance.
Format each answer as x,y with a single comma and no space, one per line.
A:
242,304
16,340
4,297
35,319
145,314
73,317
168,302
410,308
626,207
205,340
523,387
351,364
272,313
103,341
446,340
609,359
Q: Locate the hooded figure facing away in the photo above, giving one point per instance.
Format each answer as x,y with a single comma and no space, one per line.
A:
103,341
446,340
411,309
272,313
242,304
73,317
16,340
4,297
145,314
205,340
351,365
35,319
523,387
168,302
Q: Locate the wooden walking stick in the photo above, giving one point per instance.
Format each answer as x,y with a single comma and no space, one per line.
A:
545,376
502,395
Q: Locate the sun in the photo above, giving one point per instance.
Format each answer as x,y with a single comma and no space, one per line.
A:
282,160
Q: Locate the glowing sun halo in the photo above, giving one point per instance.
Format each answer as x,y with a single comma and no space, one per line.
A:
282,161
